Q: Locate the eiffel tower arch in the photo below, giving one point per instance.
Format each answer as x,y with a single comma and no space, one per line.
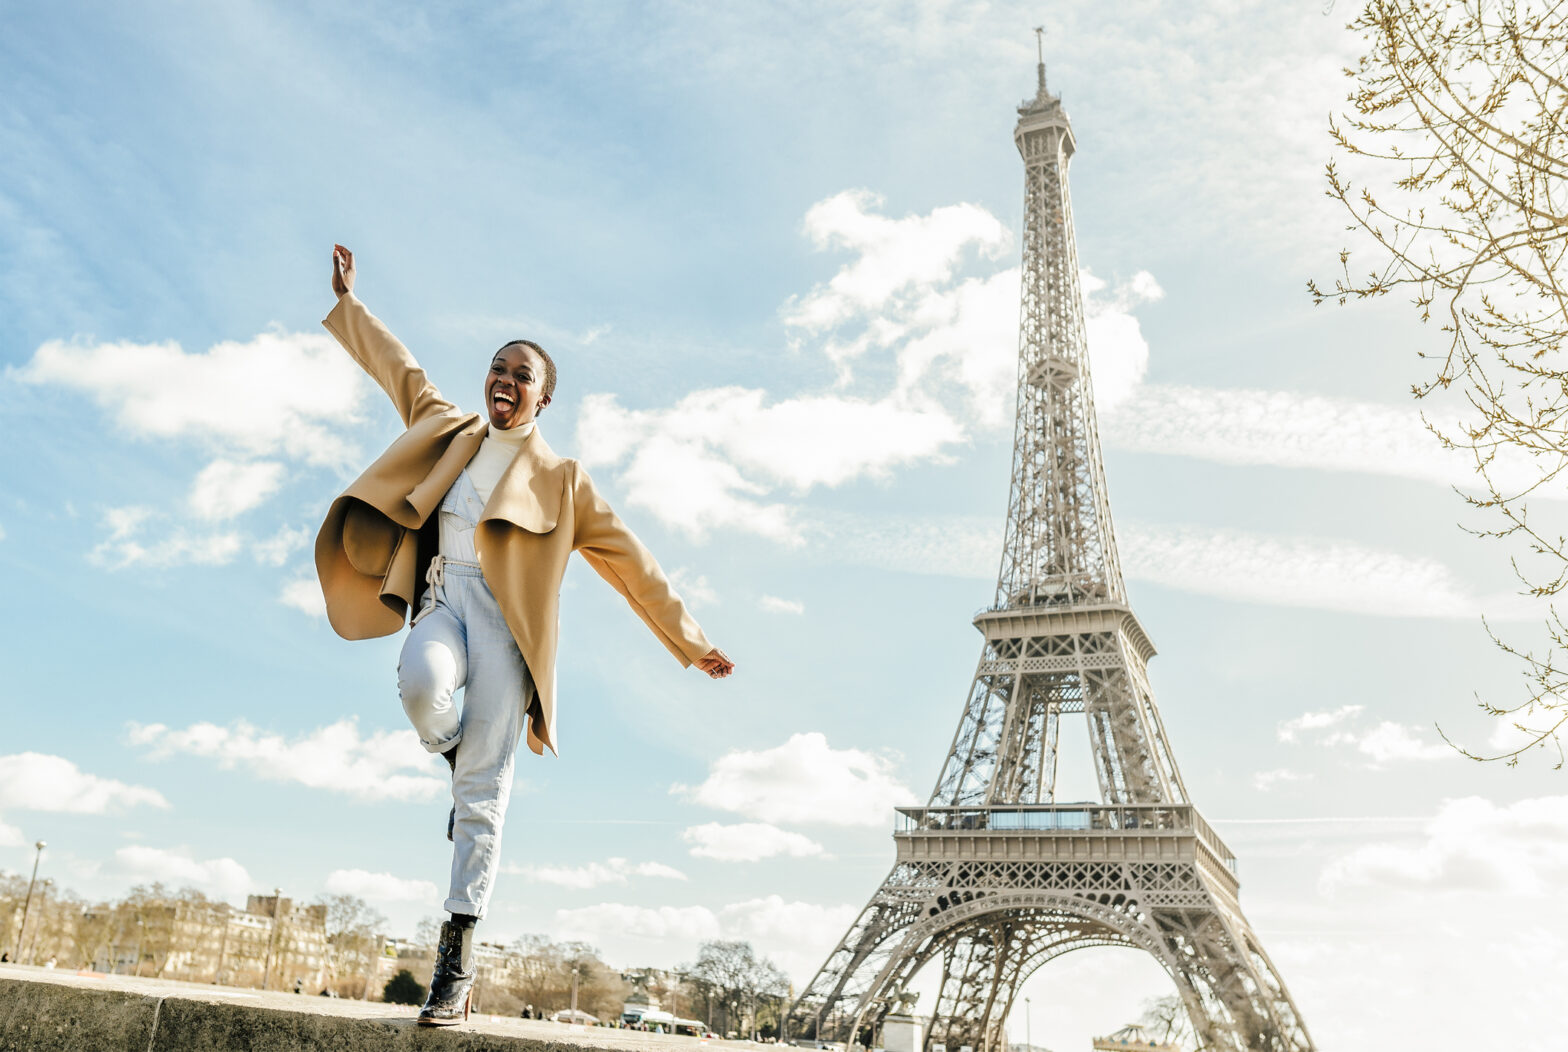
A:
994,877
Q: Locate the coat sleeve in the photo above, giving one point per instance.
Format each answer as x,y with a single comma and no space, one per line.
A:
385,358
620,558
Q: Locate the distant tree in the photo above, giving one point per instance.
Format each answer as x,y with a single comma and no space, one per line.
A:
353,936
13,894
427,932
92,933
144,925
1165,1018
540,974
403,989
740,980
1459,148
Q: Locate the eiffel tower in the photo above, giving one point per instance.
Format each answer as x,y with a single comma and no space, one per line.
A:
994,877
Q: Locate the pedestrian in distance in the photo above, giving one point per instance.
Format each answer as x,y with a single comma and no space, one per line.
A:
466,523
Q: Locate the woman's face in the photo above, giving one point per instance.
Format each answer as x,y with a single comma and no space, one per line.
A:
514,387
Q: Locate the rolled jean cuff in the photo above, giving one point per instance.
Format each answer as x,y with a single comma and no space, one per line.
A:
463,906
445,744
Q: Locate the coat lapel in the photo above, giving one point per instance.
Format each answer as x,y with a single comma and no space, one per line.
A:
530,491
407,482
425,497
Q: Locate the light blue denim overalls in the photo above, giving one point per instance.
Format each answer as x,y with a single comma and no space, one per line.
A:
460,639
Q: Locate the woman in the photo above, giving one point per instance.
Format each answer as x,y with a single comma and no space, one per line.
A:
467,521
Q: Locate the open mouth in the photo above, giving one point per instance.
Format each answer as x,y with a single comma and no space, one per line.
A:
504,403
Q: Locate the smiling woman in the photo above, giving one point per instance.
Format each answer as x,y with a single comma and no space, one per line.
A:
469,523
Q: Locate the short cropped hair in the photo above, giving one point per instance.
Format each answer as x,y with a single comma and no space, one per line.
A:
544,356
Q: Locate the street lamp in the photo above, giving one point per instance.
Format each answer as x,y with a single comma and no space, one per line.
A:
27,903
575,970
1028,1038
43,918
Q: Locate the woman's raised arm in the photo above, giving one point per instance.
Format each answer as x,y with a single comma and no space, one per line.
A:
342,271
377,351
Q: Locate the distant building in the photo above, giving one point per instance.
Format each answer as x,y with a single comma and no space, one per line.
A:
297,956
212,942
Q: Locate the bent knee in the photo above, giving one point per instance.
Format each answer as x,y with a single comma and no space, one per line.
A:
426,687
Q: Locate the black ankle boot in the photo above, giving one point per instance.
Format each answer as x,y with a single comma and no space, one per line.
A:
451,816
452,982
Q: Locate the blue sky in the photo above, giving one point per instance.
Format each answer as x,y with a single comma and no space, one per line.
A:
774,251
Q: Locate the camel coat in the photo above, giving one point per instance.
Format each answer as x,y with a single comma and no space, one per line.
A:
373,549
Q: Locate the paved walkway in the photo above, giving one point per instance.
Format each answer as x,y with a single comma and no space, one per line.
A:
46,1009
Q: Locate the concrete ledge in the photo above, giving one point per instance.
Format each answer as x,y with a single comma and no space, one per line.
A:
48,1011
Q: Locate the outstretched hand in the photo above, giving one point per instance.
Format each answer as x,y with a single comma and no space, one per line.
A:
342,271
715,663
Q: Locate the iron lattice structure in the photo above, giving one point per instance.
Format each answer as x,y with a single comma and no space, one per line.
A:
994,877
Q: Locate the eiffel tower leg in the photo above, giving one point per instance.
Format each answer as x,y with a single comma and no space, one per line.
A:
983,969
1241,1002
839,996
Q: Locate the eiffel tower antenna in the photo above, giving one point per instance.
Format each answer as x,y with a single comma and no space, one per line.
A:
994,877
1039,46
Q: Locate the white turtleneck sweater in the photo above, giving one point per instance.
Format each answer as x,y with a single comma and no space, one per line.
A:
484,471
495,454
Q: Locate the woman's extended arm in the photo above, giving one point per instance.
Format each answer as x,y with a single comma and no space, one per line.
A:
376,350
620,558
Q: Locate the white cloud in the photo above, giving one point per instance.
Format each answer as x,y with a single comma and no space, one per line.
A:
1311,572
715,458
31,781
226,488
1316,721
10,836
693,587
741,459
735,458
747,842
596,874
304,595
895,258
802,781
1386,742
1263,781
645,922
1118,353
275,550
380,887
771,920
173,545
1390,741
963,342
386,765
1471,844
794,935
276,400
1303,571
1282,429
952,545
222,876
1519,730
774,605
288,394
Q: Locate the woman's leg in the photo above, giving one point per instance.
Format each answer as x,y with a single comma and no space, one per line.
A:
433,665
494,703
